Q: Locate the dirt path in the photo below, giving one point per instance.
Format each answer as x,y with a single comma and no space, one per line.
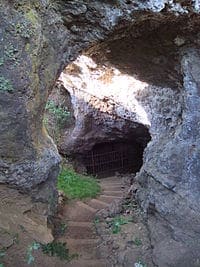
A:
80,236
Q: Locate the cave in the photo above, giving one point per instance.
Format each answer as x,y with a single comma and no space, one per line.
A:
107,158
144,58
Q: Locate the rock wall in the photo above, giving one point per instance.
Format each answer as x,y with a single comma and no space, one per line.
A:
150,79
155,42
170,177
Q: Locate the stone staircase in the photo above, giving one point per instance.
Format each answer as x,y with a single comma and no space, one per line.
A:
80,236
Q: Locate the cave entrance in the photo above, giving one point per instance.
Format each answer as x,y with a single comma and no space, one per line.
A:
109,157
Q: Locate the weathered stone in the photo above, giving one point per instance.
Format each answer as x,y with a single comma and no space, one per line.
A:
166,88
39,38
17,212
172,169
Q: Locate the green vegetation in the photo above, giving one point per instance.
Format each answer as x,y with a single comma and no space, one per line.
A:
5,85
140,264
137,242
57,249
53,249
60,113
55,118
76,186
62,228
24,29
31,248
117,222
96,221
2,254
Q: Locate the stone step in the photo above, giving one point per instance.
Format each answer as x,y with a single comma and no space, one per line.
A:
111,196
113,193
111,178
77,232
85,206
111,187
97,204
80,224
79,212
85,248
109,199
87,263
108,183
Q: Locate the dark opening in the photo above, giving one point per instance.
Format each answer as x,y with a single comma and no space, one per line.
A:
107,158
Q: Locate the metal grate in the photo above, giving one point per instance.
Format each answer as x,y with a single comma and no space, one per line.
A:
120,159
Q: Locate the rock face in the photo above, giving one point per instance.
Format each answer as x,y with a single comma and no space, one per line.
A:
154,42
101,107
169,179
150,80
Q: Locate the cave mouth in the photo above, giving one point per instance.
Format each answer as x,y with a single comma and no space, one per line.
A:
108,158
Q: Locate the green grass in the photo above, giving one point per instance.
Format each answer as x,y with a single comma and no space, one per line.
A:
76,186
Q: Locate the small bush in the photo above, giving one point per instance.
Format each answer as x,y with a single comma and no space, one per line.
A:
76,186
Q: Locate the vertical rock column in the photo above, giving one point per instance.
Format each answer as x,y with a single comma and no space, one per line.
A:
29,64
169,179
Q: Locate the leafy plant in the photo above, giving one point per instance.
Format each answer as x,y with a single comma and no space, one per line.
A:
137,241
57,249
140,264
96,221
31,248
60,113
117,222
63,227
5,85
76,186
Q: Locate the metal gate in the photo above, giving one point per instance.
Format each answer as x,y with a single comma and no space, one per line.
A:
116,158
